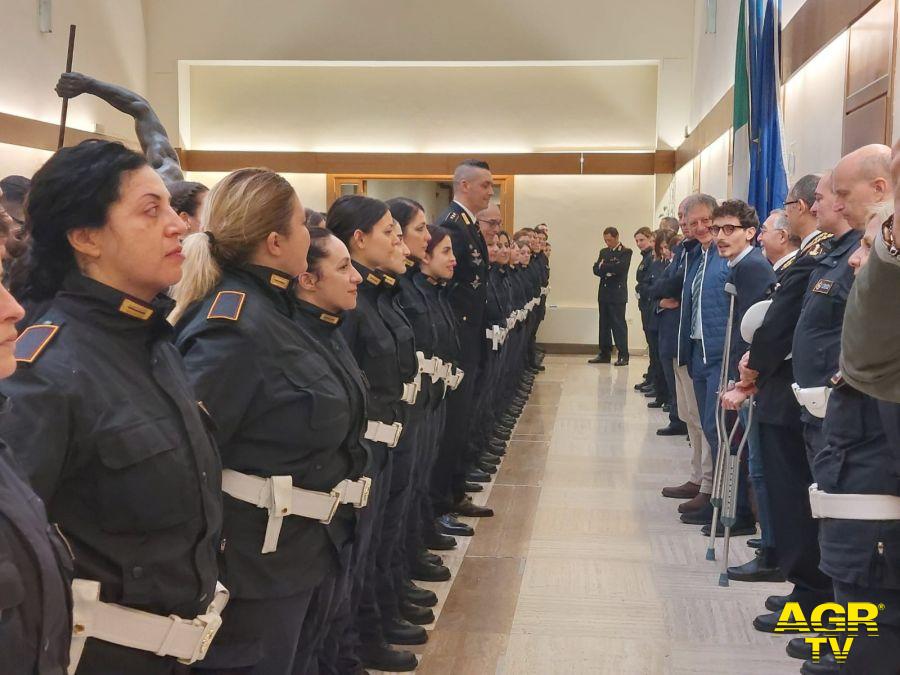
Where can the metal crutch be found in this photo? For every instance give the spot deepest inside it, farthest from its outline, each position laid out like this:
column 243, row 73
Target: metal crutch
column 729, row 509
column 722, row 437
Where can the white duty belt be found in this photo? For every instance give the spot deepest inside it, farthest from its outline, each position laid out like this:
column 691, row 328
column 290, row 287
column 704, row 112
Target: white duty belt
column 496, row 335
column 853, row 507
column 410, row 391
column 186, row 639
column 814, row 399
column 454, row 378
column 545, row 290
column 280, row 498
column 389, row 434
column 429, row 366
column 511, row 321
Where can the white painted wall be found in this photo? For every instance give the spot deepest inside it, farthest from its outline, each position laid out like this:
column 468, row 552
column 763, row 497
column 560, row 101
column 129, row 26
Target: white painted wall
column 427, row 192
column 310, row 187
column 814, row 111
column 714, row 167
column 577, row 209
column 713, row 57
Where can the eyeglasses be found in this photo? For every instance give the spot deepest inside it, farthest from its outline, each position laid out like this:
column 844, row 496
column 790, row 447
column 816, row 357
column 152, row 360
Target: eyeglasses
column 727, row 229
column 492, row 223
column 793, row 201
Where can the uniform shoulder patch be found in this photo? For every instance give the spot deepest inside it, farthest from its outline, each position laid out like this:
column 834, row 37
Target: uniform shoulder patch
column 227, row 305
column 33, row 341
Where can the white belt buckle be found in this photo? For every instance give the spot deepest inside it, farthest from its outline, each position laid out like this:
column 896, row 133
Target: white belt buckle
column 398, row 429
column 335, row 503
column 814, row 399
column 366, row 488
column 211, row 623
column 410, row 392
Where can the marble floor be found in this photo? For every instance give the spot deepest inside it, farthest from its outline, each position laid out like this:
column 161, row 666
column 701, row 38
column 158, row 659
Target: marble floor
column 586, row 568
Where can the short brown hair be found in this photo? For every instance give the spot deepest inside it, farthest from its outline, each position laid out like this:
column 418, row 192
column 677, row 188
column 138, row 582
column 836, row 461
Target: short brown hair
column 644, row 231
column 741, row 210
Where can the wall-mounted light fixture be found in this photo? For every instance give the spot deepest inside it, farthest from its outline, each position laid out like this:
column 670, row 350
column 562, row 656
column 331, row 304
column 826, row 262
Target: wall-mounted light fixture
column 45, row 15
column 712, row 7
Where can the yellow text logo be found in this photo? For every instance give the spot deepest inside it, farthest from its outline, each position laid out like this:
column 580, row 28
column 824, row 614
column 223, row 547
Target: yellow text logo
column 836, row 623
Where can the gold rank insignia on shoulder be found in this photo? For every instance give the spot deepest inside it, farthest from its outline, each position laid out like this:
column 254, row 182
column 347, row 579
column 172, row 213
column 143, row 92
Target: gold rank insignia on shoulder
column 373, row 279
column 227, row 305
column 814, row 250
column 135, row 309
column 408, row 262
column 329, row 318
column 823, row 286
column 466, row 219
column 389, row 280
column 279, row 281
column 33, row 340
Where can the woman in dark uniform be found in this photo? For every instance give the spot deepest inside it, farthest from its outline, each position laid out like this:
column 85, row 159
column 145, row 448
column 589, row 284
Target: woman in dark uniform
column 383, row 344
column 35, row 564
column 283, row 420
column 104, row 420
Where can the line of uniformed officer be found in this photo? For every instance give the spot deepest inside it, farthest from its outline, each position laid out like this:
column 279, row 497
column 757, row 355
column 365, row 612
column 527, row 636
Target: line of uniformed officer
column 289, row 451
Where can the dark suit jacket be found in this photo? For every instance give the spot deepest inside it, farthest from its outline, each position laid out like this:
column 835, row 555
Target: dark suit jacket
column 612, row 268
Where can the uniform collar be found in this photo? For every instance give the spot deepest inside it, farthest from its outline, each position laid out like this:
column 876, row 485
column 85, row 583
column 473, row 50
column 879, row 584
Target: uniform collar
column 276, row 279
column 808, row 238
column 841, row 244
column 784, row 259
column 371, row 280
column 116, row 309
column 467, row 212
column 326, row 319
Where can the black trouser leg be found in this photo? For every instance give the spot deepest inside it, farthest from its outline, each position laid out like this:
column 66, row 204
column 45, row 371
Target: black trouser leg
column 606, row 322
column 873, row 655
column 423, row 523
column 264, row 633
column 657, row 375
column 619, row 327
column 105, row 658
column 795, row 532
column 449, row 475
column 667, row 365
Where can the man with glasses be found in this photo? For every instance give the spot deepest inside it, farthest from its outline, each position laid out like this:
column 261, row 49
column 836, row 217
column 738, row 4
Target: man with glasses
column 779, row 245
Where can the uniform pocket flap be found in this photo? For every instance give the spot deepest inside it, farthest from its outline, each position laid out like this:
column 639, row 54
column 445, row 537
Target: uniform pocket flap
column 303, row 373
column 126, row 446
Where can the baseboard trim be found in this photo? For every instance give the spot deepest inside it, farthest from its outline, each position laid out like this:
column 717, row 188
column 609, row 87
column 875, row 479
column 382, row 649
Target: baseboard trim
column 568, row 348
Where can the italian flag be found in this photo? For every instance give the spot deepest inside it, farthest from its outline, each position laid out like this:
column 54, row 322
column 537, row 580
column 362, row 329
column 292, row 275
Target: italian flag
column 740, row 184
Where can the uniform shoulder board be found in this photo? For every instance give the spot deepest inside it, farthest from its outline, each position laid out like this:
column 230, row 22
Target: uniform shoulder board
column 453, row 215
column 227, row 305
column 33, row 341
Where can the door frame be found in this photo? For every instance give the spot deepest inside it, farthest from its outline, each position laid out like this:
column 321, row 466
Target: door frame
column 506, row 183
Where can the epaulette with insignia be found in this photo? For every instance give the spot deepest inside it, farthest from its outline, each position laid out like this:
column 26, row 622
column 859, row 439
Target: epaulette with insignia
column 33, row 340
column 227, row 305
column 466, row 219
column 453, row 215
column 816, row 246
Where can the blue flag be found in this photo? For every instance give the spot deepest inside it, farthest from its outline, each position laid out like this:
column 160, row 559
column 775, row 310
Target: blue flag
column 767, row 187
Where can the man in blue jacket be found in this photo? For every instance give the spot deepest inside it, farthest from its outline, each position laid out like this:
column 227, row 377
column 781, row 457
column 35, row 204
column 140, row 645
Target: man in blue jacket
column 704, row 317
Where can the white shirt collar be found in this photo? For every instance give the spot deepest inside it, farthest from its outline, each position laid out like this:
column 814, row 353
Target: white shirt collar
column 778, row 263
column 470, row 214
column 808, row 238
column 743, row 254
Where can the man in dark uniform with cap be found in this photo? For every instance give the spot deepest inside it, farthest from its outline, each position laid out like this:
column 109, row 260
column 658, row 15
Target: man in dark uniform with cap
column 612, row 295
column 473, row 187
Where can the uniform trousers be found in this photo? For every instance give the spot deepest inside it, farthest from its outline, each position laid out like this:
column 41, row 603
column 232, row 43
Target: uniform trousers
column 421, row 520
column 448, row 480
column 105, row 658
column 667, row 366
column 794, row 532
column 613, row 328
column 758, row 481
column 485, row 404
column 873, row 655
column 689, row 413
column 257, row 637
column 655, row 374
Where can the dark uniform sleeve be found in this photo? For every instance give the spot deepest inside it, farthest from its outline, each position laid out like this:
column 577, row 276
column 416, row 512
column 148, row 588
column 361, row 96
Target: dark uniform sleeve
column 222, row 366
column 597, row 265
column 619, row 265
column 39, row 424
column 774, row 339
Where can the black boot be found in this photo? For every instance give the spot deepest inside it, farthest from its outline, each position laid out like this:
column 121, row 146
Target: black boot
column 761, row 568
column 447, row 524
column 602, row 357
column 416, row 614
column 420, row 596
column 424, row 571
column 382, row 657
column 439, row 542
column 401, row 632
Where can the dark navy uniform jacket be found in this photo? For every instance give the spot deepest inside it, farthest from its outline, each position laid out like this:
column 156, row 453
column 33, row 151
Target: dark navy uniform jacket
column 279, row 409
column 773, row 340
column 411, row 301
column 642, row 277
column 817, row 338
column 468, row 290
column 108, row 429
column 613, row 274
column 404, row 336
column 35, row 578
column 446, row 345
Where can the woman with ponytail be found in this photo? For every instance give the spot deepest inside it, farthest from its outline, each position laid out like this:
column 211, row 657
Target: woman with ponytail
column 103, row 419
column 290, row 481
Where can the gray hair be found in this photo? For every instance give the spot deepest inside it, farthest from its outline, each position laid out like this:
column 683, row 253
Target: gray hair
column 781, row 221
column 805, row 189
column 699, row 199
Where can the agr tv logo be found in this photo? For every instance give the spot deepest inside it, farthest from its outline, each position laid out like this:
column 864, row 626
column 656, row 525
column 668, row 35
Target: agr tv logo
column 836, row 624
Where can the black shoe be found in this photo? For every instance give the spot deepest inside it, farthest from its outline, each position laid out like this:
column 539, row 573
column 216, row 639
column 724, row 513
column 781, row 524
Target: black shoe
column 650, row 393
column 502, row 435
column 416, row 614
column 488, row 458
column 503, row 428
column 508, row 421
column 420, row 596
column 539, row 368
column 423, row 571
column 776, row 603
column 645, row 387
column 667, row 407
column 698, row 517
column 400, row 632
column 640, row 385
column 487, row 468
column 431, row 558
column 754, row 542
column 739, row 529
column 673, row 430
column 447, row 524
column 478, row 476
column 497, row 448
column 516, row 410
column 621, row 361
column 766, row 623
column 826, row 666
column 382, row 657
column 439, row 542
column 761, row 568
column 468, row 508
column 601, row 358
column 474, row 487
column 655, row 404
column 519, row 402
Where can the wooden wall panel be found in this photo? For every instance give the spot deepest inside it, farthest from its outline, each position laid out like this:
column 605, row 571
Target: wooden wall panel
column 717, row 122
column 30, row 133
column 866, row 125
